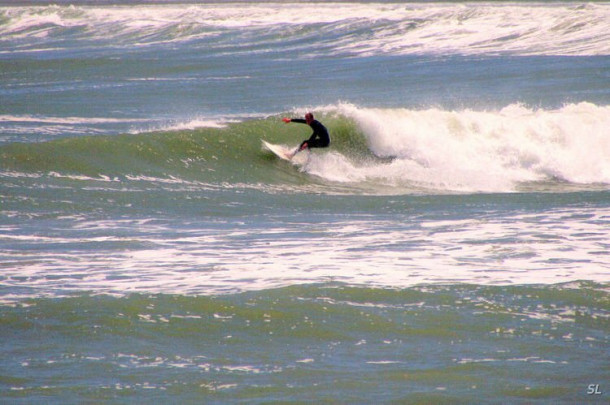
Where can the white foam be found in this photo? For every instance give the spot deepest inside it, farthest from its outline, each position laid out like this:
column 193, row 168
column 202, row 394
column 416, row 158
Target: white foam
column 565, row 245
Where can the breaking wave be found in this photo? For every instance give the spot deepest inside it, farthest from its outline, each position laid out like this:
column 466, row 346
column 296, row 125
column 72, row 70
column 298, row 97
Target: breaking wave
column 373, row 151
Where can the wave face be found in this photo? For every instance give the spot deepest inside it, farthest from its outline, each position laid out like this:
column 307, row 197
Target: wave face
column 319, row 30
column 374, row 151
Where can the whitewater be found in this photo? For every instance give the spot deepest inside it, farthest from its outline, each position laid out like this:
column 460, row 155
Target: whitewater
column 450, row 246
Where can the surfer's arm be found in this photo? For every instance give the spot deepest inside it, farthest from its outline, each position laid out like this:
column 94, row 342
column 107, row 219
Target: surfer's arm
column 302, row 121
column 297, row 120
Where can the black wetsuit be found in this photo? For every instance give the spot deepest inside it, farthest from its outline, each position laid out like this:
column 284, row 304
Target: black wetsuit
column 319, row 138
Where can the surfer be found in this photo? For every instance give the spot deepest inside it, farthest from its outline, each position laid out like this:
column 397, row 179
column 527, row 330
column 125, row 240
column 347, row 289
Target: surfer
column 319, row 138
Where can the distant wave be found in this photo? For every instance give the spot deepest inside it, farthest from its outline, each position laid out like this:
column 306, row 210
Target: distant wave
column 312, row 30
column 374, row 151
column 49, row 127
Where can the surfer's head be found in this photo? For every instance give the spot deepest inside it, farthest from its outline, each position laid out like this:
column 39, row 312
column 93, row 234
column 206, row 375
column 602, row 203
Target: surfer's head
column 309, row 118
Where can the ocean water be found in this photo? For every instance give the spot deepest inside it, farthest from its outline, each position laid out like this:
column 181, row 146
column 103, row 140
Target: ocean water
column 451, row 246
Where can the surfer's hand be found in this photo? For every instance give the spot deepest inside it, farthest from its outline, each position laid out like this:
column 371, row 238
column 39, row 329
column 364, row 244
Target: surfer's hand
column 305, row 145
column 286, row 120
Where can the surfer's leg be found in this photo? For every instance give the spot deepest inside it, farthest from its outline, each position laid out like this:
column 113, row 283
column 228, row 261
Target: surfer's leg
column 316, row 143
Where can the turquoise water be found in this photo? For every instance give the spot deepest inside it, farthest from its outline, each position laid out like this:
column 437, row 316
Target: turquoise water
column 451, row 246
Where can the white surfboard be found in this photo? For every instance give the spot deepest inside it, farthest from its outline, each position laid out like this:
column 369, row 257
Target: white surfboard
column 279, row 150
